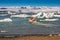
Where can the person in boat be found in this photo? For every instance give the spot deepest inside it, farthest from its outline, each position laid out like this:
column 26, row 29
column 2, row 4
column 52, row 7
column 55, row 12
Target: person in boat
column 31, row 19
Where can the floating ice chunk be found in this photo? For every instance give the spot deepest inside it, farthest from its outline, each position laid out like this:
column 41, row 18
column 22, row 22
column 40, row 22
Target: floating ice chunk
column 3, row 31
column 56, row 15
column 6, row 20
column 50, row 20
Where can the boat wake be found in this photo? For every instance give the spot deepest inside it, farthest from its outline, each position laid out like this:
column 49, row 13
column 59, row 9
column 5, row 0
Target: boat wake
column 44, row 24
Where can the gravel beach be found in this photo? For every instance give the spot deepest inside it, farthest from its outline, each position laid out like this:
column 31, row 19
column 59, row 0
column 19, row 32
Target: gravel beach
column 33, row 37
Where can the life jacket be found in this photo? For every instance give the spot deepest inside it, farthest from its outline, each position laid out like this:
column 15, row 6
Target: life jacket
column 31, row 19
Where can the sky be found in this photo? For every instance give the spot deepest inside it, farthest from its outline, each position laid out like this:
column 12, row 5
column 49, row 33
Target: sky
column 30, row 2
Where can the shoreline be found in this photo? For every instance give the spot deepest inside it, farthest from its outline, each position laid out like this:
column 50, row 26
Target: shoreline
column 33, row 37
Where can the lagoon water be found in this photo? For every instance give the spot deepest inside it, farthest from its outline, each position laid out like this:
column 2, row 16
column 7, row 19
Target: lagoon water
column 23, row 26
